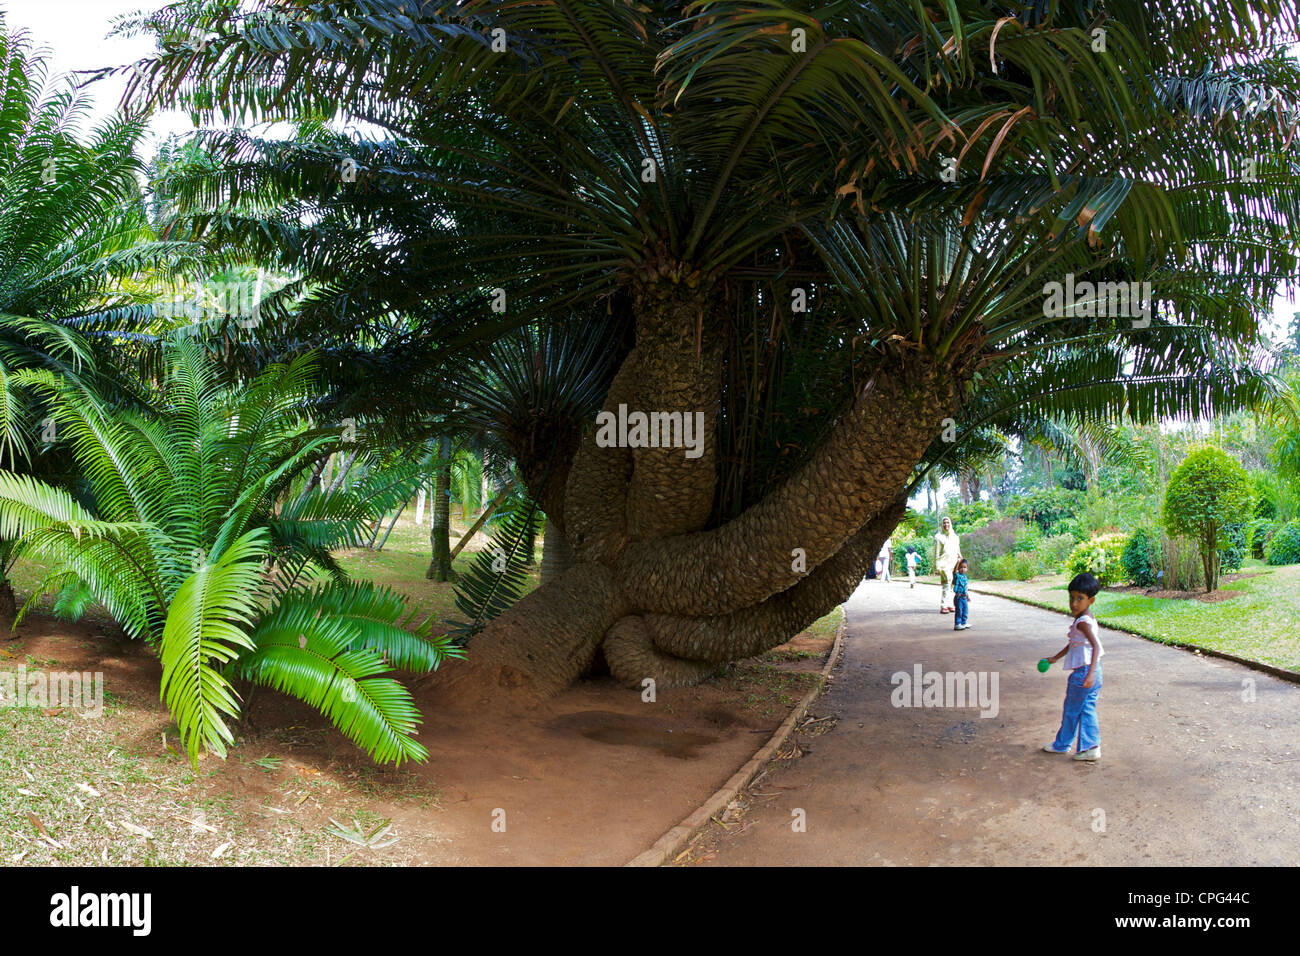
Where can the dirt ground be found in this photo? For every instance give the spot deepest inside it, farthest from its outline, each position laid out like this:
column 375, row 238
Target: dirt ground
column 1207, row 597
column 592, row 777
column 1200, row 757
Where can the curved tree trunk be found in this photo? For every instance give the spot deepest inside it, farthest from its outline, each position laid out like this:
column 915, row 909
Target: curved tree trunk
column 556, row 554
column 653, row 589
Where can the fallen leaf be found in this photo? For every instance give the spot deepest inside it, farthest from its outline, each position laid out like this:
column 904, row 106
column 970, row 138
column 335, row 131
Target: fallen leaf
column 87, row 788
column 196, row 823
column 216, row 854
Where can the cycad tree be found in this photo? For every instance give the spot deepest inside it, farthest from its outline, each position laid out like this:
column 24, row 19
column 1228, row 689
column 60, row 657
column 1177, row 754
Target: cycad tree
column 827, row 228
column 73, row 243
column 191, row 542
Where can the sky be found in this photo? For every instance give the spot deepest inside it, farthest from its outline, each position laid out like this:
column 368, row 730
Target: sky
column 74, row 33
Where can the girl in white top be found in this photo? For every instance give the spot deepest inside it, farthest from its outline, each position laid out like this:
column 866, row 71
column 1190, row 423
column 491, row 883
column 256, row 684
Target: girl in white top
column 947, row 551
column 1082, row 655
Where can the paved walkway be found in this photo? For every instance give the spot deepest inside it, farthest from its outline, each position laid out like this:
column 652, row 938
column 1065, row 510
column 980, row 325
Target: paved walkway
column 1191, row 773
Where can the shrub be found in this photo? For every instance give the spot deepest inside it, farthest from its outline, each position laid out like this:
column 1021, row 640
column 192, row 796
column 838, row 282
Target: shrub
column 196, row 549
column 1055, row 551
column 1017, row 566
column 1284, row 547
column 971, row 516
column 1047, row 507
column 1207, row 492
column 1071, row 527
column 1028, row 538
column 1102, row 556
column 924, row 550
column 1258, row 533
column 1181, row 566
column 1233, row 553
column 982, row 545
column 1142, row 557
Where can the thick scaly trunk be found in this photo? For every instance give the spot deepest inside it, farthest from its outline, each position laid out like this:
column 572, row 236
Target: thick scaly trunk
column 556, row 554
column 659, row 594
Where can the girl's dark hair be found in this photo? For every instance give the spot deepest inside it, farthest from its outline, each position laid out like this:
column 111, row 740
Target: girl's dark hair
column 961, row 561
column 1085, row 583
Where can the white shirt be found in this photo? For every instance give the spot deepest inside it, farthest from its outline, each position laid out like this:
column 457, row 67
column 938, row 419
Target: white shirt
column 1080, row 652
column 912, row 559
column 949, row 546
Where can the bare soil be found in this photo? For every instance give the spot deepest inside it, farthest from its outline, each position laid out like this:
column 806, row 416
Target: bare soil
column 593, row 776
column 1206, row 597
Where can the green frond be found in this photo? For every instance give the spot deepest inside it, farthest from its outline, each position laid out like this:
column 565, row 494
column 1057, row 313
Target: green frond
column 319, row 658
column 207, row 627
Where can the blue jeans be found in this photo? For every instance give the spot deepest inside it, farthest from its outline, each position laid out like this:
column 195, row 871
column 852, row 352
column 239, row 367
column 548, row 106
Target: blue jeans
column 1079, row 717
column 963, row 608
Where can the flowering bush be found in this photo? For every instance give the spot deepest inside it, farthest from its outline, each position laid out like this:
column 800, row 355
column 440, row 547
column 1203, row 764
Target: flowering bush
column 1102, row 556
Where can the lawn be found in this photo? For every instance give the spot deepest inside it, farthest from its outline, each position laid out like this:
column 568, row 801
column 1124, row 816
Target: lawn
column 1262, row 625
column 401, row 565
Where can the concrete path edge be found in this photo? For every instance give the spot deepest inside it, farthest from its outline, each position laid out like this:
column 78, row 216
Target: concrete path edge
column 1282, row 672
column 668, row 846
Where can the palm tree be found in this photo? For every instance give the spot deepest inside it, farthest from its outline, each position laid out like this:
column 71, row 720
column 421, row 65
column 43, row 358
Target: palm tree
column 191, row 541
column 75, row 246
column 828, row 230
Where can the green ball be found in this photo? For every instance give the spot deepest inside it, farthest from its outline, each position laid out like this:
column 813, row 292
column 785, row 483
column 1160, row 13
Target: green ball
column 1043, row 665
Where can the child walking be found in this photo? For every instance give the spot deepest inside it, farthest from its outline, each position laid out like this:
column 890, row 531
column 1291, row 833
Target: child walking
column 1083, row 660
column 912, row 561
column 961, row 595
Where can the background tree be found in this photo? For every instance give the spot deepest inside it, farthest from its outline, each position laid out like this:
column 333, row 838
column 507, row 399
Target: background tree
column 1207, row 492
column 758, row 196
column 74, row 244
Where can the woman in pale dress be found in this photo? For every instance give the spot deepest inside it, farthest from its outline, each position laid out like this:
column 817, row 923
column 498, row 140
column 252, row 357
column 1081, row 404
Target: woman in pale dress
column 947, row 552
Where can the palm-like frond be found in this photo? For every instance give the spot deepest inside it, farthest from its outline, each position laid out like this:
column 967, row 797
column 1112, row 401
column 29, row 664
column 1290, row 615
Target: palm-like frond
column 207, row 627
column 497, row 578
column 181, row 529
column 334, row 662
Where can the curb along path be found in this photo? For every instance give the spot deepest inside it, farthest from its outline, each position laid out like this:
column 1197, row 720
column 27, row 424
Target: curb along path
column 668, row 846
column 1200, row 766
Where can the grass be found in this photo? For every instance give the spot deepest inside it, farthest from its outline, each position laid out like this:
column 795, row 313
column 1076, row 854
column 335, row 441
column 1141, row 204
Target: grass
column 405, row 559
column 81, row 791
column 114, row 791
column 89, row 782
column 1263, row 625
column 769, row 689
column 401, row 565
